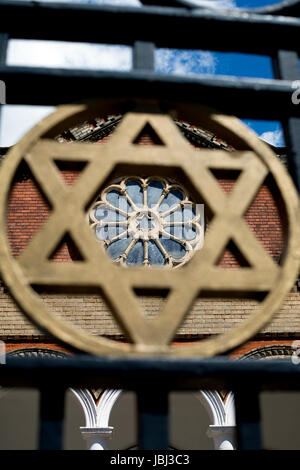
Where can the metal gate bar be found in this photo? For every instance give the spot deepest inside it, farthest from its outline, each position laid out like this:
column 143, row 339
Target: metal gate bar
column 166, row 27
column 52, row 400
column 153, row 429
column 248, row 422
column 245, row 378
column 145, row 29
column 286, row 67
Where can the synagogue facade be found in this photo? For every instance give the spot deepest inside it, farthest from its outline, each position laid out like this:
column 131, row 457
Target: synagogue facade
column 147, row 220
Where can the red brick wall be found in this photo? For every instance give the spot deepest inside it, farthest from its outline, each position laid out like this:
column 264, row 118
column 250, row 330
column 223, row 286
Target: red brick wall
column 264, row 220
column 28, row 210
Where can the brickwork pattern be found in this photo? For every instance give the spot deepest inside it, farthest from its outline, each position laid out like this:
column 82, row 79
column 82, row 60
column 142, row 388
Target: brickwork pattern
column 90, row 312
column 28, row 210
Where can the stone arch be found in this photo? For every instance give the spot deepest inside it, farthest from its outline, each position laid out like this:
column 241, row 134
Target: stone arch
column 213, row 403
column 105, row 406
column 229, row 410
column 222, row 417
column 269, row 352
column 88, row 406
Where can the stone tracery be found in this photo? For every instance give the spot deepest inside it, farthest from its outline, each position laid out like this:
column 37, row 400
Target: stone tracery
column 149, row 221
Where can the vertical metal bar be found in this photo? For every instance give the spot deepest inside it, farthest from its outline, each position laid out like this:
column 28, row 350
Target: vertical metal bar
column 291, row 128
column 152, row 420
column 3, row 47
column 143, row 55
column 247, row 412
column 3, row 54
column 286, row 67
column 51, row 418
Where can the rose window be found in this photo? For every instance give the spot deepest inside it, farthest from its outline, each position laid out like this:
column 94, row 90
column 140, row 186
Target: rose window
column 147, row 221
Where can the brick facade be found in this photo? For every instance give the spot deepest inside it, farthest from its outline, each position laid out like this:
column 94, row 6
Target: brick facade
column 28, row 210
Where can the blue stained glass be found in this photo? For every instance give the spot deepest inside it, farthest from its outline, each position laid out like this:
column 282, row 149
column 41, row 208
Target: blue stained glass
column 176, row 216
column 189, row 233
column 154, row 192
column 135, row 192
column 116, row 199
column 155, row 256
column 189, row 213
column 181, row 231
column 172, row 199
column 108, row 232
column 182, row 214
column 117, row 248
column 175, row 249
column 108, row 215
column 136, row 254
column 175, row 230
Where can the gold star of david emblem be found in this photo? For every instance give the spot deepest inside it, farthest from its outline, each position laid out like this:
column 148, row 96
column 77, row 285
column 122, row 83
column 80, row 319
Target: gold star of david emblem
column 118, row 284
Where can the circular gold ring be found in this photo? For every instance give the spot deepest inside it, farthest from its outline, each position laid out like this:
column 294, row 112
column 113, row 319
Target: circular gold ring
column 254, row 159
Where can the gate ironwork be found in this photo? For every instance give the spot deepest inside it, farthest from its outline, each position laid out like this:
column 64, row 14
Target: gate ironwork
column 145, row 29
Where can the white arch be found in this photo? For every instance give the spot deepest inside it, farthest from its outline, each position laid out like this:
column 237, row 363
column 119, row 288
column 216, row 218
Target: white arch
column 214, row 406
column 230, row 410
column 88, row 406
column 222, row 417
column 105, row 406
column 96, row 416
column 97, row 429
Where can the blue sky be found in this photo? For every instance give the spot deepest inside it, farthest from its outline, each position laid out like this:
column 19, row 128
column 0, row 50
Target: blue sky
column 93, row 56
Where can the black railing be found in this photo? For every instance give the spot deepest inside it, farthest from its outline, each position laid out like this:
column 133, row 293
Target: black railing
column 157, row 26
column 246, row 379
column 172, row 24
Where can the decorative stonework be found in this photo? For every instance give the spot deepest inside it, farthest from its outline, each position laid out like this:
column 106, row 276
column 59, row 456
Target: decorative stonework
column 269, row 352
column 97, row 129
column 38, row 352
column 149, row 221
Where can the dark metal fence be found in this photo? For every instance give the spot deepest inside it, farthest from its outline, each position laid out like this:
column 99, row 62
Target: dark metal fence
column 152, row 380
column 172, row 24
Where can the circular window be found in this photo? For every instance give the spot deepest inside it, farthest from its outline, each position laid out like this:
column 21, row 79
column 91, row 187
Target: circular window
column 147, row 221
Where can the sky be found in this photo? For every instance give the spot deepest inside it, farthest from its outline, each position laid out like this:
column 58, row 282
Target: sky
column 17, row 120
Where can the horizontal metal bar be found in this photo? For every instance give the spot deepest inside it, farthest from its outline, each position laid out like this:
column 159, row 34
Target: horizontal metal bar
column 250, row 98
column 199, row 29
column 243, row 97
column 143, row 373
